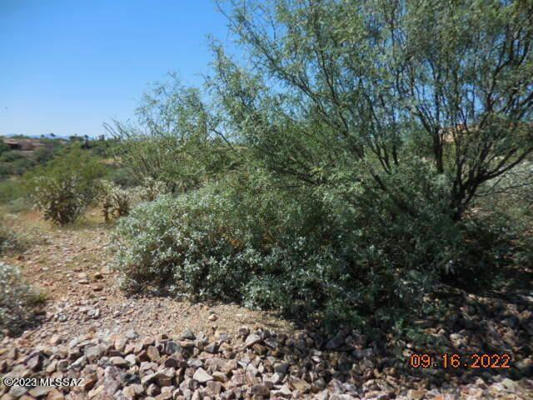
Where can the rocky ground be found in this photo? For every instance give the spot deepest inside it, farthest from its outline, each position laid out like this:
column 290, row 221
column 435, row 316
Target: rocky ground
column 136, row 348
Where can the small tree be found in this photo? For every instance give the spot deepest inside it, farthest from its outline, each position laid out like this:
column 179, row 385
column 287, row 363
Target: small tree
column 340, row 88
column 176, row 141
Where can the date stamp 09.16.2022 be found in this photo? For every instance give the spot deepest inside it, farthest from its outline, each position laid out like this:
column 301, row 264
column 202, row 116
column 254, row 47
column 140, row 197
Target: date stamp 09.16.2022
column 457, row 361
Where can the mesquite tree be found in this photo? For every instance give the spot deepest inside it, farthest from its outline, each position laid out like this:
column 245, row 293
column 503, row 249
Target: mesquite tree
column 360, row 88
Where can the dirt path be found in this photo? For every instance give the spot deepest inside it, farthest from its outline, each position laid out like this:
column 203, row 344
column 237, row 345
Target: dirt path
column 73, row 267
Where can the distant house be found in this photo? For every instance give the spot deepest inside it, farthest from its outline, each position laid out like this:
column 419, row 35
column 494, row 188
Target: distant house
column 13, row 144
column 23, row 144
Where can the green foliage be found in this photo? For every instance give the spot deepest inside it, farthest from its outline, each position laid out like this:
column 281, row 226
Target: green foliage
column 9, row 240
column 362, row 87
column 14, row 163
column 197, row 239
column 256, row 240
column 152, row 189
column 122, row 177
column 11, row 190
column 65, row 186
column 44, row 154
column 334, row 176
column 17, row 300
column 175, row 141
column 3, row 147
column 506, row 209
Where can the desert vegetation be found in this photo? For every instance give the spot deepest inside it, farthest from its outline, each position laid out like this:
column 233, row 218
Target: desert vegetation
column 346, row 176
column 361, row 165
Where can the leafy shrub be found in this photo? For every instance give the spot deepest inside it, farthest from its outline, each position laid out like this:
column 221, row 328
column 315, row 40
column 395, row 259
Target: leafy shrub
column 176, row 140
column 11, row 190
column 9, row 240
column 17, row 300
column 302, row 251
column 44, row 154
column 265, row 248
column 168, row 239
column 11, row 156
column 203, row 245
column 122, row 177
column 3, row 147
column 65, row 186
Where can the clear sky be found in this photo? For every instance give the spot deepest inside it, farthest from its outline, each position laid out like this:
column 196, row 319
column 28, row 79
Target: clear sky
column 68, row 66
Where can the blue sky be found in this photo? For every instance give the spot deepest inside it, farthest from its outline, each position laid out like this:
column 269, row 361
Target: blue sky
column 69, row 66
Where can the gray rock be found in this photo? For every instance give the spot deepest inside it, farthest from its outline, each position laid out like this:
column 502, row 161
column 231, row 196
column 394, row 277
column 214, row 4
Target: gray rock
column 202, row 376
column 214, row 388
column 335, row 342
column 171, row 347
column 147, row 379
column 153, row 390
column 120, row 343
column 132, row 334
column 39, row 391
column 187, row 335
column 94, row 352
column 260, row 390
column 165, row 377
column 153, row 353
column 131, row 359
column 89, row 381
column 284, row 391
column 17, row 391
column 55, row 394
column 281, row 368
column 244, row 331
column 62, row 365
column 211, row 348
column 119, row 362
column 79, row 363
column 35, row 362
column 300, row 385
column 252, row 339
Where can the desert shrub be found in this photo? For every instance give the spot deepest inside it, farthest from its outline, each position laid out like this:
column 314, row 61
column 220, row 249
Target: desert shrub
column 505, row 207
column 11, row 190
column 122, row 177
column 44, row 154
column 11, row 156
column 65, row 186
column 375, row 150
column 174, row 243
column 199, row 239
column 14, row 163
column 248, row 240
column 17, row 300
column 151, row 189
column 309, row 252
column 3, row 147
column 115, row 201
column 176, row 141
column 9, row 240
